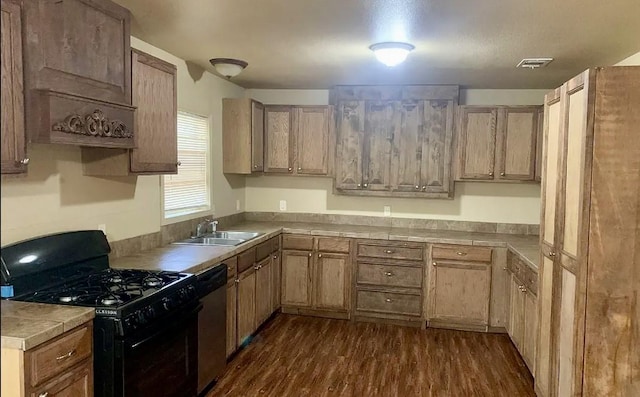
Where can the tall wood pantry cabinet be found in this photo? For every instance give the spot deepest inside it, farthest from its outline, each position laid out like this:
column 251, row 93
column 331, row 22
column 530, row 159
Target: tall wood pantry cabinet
column 589, row 339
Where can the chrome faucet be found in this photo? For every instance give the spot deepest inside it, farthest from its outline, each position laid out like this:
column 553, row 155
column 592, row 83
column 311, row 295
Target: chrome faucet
column 201, row 228
column 214, row 226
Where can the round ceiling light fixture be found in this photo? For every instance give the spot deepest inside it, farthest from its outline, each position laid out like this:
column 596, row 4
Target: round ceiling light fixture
column 228, row 67
column 391, row 53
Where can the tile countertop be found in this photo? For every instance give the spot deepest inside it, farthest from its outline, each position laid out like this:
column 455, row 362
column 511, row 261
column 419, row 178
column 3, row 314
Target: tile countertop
column 196, row 258
column 27, row 324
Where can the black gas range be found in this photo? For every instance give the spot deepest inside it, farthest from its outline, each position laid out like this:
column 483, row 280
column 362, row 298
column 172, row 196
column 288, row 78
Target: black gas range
column 145, row 329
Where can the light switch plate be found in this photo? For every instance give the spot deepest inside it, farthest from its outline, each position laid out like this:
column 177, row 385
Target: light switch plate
column 387, row 210
column 283, row 205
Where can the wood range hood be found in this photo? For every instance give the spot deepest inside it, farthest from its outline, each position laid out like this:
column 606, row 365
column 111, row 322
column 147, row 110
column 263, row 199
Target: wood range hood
column 77, row 73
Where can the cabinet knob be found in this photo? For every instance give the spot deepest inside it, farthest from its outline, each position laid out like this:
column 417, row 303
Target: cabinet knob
column 434, row 264
column 179, row 163
column 365, row 185
column 275, row 257
column 319, row 255
column 461, row 253
column 45, row 394
column 237, row 281
column 502, row 174
column 309, row 254
column 256, row 267
column 299, row 168
column 424, row 187
column 552, row 254
column 505, row 269
column 388, row 300
column 388, row 252
column 255, row 166
column 359, row 185
column 417, row 187
column 24, row 161
column 490, row 173
column 290, row 169
column 388, row 274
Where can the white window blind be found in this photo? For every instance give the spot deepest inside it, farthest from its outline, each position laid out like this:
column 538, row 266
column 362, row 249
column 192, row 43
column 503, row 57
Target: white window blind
column 188, row 191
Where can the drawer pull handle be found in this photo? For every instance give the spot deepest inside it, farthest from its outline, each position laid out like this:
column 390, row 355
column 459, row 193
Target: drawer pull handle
column 65, row 356
column 388, row 274
column 552, row 254
column 523, row 289
column 388, row 300
column 237, row 281
column 319, row 255
column 256, row 267
column 388, row 252
column 461, row 253
column 434, row 264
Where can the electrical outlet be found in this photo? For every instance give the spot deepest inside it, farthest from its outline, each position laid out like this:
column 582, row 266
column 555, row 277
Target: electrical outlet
column 237, row 205
column 283, row 205
column 103, row 227
column 387, row 210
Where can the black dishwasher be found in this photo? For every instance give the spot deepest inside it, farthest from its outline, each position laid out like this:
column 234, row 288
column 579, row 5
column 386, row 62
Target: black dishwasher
column 212, row 325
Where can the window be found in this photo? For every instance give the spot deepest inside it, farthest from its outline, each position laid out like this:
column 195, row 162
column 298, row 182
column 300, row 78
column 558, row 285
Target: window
column 188, row 191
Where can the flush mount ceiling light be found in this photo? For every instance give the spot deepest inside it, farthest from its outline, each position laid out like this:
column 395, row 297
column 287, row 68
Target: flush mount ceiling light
column 391, row 53
column 228, row 67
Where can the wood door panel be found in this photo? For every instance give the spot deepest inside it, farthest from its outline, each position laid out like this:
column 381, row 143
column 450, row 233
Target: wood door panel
column 257, row 137
column 276, row 283
column 13, row 140
column 478, row 142
column 332, row 281
column 574, row 173
column 246, row 305
column 407, row 148
column 382, row 123
column 460, row 292
column 296, row 278
column 389, row 302
column 392, row 276
column 350, row 145
column 516, row 314
column 462, row 253
column 544, row 337
column 232, row 296
column 77, row 382
column 518, row 151
column 279, row 140
column 552, row 148
column 566, row 334
column 436, row 165
column 312, row 136
column 530, row 335
column 264, row 299
column 154, row 93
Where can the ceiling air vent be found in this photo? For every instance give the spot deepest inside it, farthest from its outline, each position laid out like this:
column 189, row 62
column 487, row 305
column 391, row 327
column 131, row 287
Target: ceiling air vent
column 534, row 63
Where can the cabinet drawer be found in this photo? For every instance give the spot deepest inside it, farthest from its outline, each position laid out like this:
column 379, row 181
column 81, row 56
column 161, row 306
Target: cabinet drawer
column 54, row 357
column 462, row 253
column 389, row 302
column 329, row 244
column 246, row 259
column 516, row 266
column 275, row 243
column 389, row 275
column 232, row 267
column 263, row 250
column 390, row 252
column 531, row 280
column 297, row 242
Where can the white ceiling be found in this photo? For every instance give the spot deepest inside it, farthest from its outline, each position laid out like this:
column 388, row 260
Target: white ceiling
column 321, row 43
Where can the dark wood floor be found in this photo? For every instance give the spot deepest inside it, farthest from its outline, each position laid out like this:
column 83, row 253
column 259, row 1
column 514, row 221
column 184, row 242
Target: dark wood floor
column 306, row 356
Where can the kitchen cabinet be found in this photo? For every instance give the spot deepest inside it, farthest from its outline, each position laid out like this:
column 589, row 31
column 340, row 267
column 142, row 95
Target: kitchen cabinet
column 523, row 310
column 389, row 281
column 246, row 321
column 62, row 366
column 154, row 94
column 460, row 286
column 264, row 298
column 78, row 73
column 396, row 144
column 13, row 148
column 276, row 273
column 298, row 139
column 589, row 234
column 498, row 143
column 242, row 136
column 316, row 275
column 232, row 314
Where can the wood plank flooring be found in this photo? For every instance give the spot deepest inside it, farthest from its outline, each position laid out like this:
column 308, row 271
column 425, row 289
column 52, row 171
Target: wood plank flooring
column 307, row 356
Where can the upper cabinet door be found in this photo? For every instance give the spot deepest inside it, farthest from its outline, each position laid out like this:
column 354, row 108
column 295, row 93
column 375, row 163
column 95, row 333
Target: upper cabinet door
column 350, row 145
column 79, row 47
column 154, row 95
column 477, row 142
column 13, row 145
column 408, row 147
column 382, row 123
column 312, row 134
column 279, row 139
column 257, row 137
column 554, row 120
column 516, row 154
column 437, row 147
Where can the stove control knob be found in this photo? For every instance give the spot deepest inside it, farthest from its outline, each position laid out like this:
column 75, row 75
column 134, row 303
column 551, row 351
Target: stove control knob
column 150, row 313
column 141, row 318
column 168, row 304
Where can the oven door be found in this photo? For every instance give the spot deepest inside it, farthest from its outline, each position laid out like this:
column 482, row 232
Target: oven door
column 163, row 362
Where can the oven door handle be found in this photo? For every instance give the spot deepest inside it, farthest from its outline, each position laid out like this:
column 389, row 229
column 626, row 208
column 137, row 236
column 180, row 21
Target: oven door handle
column 175, row 322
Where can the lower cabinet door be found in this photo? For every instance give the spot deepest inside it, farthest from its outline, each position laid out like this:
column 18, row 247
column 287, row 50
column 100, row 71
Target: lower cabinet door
column 530, row 342
column 276, row 274
column 246, row 305
column 296, row 278
column 77, row 382
column 460, row 292
column 516, row 313
column 232, row 331
column 331, row 281
column 263, row 291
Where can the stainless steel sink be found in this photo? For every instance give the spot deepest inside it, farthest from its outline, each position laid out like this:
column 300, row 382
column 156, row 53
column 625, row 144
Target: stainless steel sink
column 221, row 238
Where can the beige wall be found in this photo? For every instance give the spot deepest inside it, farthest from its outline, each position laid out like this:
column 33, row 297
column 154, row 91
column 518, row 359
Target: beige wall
column 55, row 196
column 517, row 203
column 633, row 60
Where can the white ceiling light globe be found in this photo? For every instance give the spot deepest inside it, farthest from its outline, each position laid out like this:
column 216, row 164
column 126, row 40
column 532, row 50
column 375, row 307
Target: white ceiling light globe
column 390, row 53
